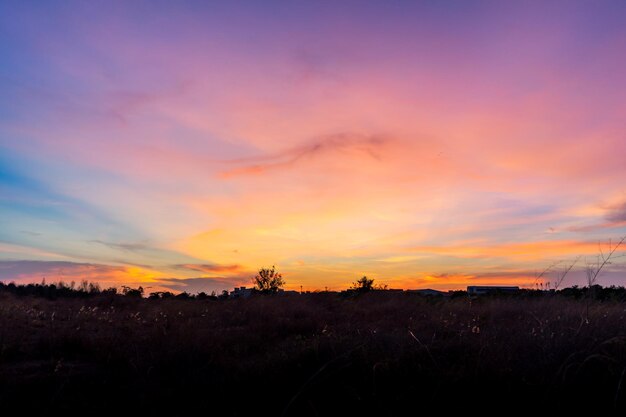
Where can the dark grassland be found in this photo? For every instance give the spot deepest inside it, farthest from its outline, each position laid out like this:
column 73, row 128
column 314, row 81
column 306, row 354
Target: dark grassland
column 379, row 353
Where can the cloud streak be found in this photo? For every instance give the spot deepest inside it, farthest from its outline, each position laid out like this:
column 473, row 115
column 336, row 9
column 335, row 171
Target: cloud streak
column 210, row 268
column 131, row 247
column 52, row 271
column 617, row 214
column 343, row 144
column 524, row 250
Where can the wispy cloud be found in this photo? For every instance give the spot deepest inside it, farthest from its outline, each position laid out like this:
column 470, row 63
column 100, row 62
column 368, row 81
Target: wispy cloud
column 608, row 216
column 523, row 250
column 617, row 213
column 23, row 271
column 29, row 233
column 131, row 247
column 29, row 270
column 342, row 143
column 209, row 268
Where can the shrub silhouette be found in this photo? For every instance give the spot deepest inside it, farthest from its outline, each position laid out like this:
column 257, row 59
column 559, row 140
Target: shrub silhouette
column 268, row 281
column 132, row 292
column 363, row 284
column 160, row 294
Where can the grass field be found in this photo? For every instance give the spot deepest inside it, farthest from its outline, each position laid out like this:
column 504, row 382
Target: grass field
column 379, row 353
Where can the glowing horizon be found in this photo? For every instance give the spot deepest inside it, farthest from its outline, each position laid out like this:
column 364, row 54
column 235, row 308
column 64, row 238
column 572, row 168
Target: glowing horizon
column 424, row 144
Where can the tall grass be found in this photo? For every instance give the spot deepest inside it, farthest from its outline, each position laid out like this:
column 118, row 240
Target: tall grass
column 379, row 353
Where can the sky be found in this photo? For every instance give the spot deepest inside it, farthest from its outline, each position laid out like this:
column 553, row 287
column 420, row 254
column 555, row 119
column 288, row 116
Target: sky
column 184, row 145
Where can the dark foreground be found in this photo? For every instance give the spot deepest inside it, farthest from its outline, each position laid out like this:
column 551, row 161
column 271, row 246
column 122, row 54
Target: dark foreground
column 318, row 354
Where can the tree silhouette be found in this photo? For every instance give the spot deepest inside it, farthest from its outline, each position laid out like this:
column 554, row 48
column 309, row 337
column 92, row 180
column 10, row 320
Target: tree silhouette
column 363, row 284
column 268, row 281
column 132, row 292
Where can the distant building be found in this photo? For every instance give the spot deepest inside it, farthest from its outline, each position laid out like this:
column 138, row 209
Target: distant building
column 490, row 289
column 241, row 292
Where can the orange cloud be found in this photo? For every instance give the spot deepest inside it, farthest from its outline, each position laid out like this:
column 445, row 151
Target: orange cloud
column 210, row 268
column 53, row 271
column 525, row 250
column 460, row 281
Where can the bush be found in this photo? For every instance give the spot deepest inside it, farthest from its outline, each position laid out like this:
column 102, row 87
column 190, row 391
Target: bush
column 268, row 281
column 363, row 284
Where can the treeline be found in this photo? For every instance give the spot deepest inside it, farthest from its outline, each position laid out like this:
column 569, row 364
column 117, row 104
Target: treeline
column 57, row 290
column 596, row 292
column 87, row 289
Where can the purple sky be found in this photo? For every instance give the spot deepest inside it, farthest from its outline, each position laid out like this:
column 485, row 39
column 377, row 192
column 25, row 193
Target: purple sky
column 424, row 144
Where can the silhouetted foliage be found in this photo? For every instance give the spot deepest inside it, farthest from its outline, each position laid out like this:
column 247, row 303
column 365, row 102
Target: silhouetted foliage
column 161, row 295
column 268, row 281
column 132, row 292
column 313, row 354
column 204, row 296
column 58, row 290
column 363, row 284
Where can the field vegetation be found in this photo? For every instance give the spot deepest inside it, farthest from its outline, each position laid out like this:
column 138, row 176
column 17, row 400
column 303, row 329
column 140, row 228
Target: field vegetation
column 91, row 352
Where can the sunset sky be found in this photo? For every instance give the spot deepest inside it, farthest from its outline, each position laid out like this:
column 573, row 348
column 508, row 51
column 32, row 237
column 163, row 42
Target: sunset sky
column 436, row 144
